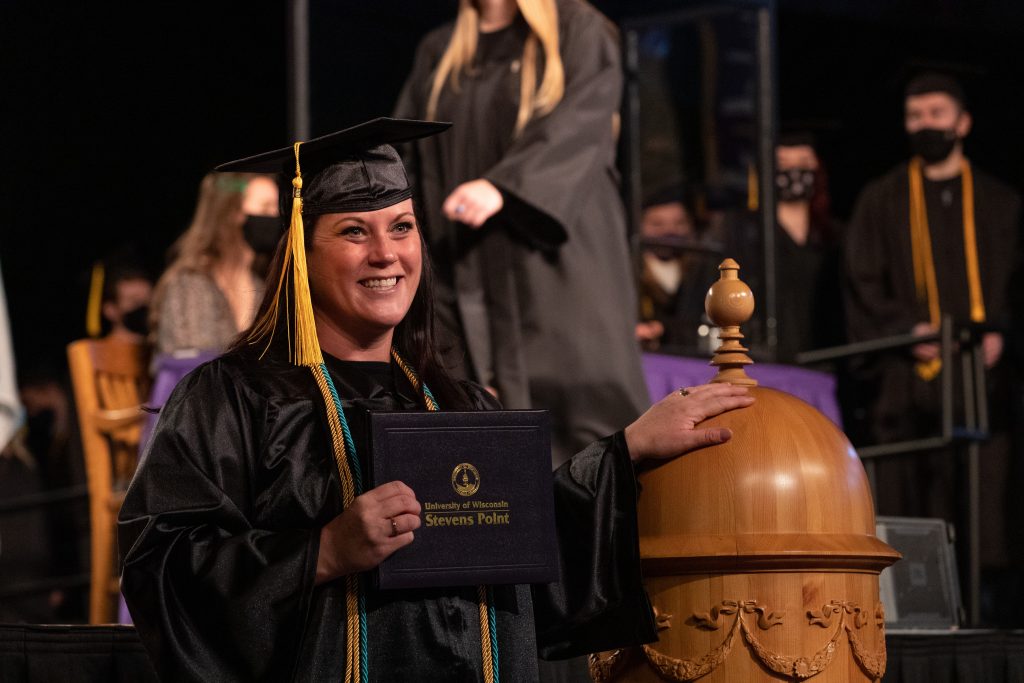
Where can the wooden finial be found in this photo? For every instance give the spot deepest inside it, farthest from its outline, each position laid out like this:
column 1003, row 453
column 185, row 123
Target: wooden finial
column 730, row 303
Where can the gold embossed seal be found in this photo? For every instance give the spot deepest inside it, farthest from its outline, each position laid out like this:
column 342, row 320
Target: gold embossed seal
column 465, row 479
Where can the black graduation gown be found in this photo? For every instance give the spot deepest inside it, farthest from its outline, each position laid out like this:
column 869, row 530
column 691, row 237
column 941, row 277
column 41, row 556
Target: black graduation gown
column 543, row 294
column 220, row 535
column 808, row 311
column 880, row 299
column 880, row 295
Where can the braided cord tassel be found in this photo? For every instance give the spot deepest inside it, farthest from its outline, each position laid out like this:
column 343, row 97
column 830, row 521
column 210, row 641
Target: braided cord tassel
column 971, row 245
column 414, row 380
column 356, row 661
column 487, row 651
column 488, row 620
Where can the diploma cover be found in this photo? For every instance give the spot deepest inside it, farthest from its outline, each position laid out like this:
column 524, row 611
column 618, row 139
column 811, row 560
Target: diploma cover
column 484, row 481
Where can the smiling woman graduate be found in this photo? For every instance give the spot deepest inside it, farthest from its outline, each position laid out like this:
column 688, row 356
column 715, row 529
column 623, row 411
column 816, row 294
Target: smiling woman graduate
column 247, row 528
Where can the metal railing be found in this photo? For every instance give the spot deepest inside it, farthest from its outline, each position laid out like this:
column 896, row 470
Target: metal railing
column 956, row 340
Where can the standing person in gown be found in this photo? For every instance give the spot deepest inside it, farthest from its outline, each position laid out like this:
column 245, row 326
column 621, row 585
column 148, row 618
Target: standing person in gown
column 246, row 529
column 934, row 236
column 809, row 302
column 522, row 208
column 209, row 291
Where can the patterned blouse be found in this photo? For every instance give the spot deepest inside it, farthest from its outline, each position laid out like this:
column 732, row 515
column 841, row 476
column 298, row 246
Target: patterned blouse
column 196, row 316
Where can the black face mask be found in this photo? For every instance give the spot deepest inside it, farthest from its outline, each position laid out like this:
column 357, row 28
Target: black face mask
column 262, row 233
column 137, row 320
column 795, row 184
column 933, row 144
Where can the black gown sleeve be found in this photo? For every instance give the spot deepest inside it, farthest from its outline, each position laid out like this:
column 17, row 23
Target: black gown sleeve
column 600, row 603
column 412, row 102
column 998, row 248
column 872, row 305
column 214, row 597
column 547, row 173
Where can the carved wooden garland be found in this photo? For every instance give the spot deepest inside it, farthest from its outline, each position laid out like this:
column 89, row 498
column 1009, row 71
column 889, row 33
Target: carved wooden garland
column 603, row 667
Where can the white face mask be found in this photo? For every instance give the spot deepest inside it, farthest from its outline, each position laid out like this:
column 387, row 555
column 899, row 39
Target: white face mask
column 668, row 274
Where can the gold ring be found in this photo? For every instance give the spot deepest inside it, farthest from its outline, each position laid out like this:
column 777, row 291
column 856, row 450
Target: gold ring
column 394, row 527
column 682, row 391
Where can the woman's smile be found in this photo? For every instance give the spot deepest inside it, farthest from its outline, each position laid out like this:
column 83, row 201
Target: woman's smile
column 383, row 285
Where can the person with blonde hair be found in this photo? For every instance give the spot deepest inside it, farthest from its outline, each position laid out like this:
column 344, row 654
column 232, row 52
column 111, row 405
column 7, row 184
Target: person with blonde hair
column 523, row 212
column 209, row 292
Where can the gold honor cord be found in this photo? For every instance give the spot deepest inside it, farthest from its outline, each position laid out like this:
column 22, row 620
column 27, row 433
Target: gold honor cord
column 488, row 650
column 925, row 281
column 348, row 494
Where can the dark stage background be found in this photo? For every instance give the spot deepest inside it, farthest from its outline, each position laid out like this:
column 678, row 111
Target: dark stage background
column 112, row 114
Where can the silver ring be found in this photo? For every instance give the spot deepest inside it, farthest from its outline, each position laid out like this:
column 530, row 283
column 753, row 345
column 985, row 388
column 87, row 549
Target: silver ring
column 394, row 526
column 460, row 209
column 683, row 391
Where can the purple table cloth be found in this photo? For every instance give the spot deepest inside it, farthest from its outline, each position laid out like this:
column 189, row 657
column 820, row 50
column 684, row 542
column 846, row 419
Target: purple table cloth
column 665, row 374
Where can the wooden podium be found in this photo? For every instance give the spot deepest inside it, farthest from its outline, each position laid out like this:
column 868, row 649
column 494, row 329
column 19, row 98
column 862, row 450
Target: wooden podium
column 759, row 554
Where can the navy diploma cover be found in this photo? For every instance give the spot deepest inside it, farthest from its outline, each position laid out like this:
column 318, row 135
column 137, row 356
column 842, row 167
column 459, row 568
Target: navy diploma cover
column 484, row 481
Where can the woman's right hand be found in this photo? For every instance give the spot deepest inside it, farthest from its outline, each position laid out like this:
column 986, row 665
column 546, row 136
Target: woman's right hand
column 363, row 536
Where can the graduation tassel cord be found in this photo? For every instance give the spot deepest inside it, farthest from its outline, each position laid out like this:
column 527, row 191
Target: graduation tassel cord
column 485, row 597
column 924, row 261
column 414, row 380
column 356, row 660
column 93, row 324
column 971, row 246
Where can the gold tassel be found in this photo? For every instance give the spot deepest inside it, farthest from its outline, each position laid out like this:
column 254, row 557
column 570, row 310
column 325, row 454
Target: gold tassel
column 92, row 310
column 304, row 348
column 307, row 346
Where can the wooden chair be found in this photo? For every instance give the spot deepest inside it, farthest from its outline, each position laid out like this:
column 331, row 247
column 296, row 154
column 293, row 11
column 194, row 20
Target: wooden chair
column 111, row 381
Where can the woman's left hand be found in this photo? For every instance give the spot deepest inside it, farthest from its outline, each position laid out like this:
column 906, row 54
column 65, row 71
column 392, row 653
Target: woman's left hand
column 473, row 203
column 668, row 428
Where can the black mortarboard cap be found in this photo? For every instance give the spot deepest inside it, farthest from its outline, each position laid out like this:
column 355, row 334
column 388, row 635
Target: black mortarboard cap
column 934, row 81
column 666, row 194
column 355, row 169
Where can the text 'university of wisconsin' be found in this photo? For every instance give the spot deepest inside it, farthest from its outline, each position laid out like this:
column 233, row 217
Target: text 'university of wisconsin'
column 468, row 513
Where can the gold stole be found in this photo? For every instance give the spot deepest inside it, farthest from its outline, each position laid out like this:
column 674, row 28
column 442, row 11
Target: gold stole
column 924, row 261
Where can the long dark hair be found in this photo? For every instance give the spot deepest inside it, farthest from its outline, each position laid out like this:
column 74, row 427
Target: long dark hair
column 416, row 338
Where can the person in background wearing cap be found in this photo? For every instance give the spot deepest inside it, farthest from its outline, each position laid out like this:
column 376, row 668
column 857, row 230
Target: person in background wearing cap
column 124, row 303
column 209, row 291
column 246, row 529
column 809, row 302
column 523, row 210
column 676, row 273
column 934, row 236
